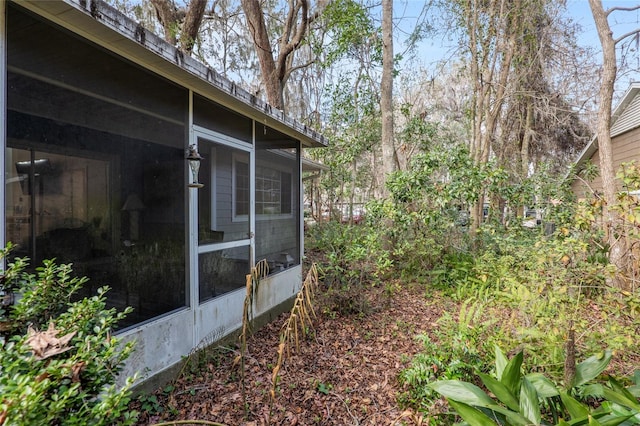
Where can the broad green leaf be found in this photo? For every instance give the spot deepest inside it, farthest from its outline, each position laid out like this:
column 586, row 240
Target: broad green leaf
column 609, row 414
column 515, row 418
column 575, row 408
column 582, row 421
column 462, row 392
column 613, row 420
column 529, row 406
column 634, row 390
column 501, row 361
column 472, row 416
column 590, row 368
column 500, row 391
column 511, row 375
column 621, row 399
column 593, row 421
column 595, row 390
column 544, row 387
column 617, row 390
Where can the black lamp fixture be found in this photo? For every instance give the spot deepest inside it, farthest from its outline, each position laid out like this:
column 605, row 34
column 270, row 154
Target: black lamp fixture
column 194, row 158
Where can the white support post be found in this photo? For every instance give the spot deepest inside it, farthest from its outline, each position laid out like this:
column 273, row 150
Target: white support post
column 3, row 113
column 252, row 198
column 192, row 240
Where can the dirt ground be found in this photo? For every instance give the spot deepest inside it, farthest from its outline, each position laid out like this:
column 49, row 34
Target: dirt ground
column 344, row 374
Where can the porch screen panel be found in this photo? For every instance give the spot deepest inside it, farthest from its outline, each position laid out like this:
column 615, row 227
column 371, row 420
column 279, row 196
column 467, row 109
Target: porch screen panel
column 222, row 120
column 222, row 271
column 223, row 219
column 95, row 167
column 277, row 186
column 224, row 172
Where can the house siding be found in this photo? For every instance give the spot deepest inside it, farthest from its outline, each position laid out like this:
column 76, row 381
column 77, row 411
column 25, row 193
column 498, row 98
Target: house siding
column 626, row 148
column 630, row 118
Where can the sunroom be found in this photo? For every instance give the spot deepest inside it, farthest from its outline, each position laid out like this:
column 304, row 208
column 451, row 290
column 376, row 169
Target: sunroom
column 101, row 121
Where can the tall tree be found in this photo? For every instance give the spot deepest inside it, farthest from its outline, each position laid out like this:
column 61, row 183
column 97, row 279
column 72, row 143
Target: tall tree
column 616, row 242
column 389, row 158
column 276, row 64
column 181, row 24
column 511, row 48
column 538, row 123
column 490, row 42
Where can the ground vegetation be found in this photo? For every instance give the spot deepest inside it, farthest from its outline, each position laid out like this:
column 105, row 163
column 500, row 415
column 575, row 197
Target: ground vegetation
column 394, row 321
column 59, row 362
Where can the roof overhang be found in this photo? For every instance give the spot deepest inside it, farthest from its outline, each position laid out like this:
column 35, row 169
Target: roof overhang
column 592, row 146
column 312, row 166
column 109, row 28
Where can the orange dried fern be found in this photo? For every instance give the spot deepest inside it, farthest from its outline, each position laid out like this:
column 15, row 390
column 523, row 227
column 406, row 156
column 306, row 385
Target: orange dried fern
column 299, row 324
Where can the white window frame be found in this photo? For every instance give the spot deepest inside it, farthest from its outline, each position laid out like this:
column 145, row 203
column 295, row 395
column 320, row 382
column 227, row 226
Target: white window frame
column 263, row 216
column 213, row 136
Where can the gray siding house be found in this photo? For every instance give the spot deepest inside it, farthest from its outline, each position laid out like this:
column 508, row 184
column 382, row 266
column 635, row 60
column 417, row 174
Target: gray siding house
column 98, row 119
column 625, row 139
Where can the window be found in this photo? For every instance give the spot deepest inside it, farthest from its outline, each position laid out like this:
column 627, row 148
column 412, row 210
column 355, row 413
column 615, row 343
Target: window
column 241, row 195
column 277, row 225
column 273, row 190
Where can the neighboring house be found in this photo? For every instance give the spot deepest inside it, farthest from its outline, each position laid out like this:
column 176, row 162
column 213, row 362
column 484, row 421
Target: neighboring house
column 625, row 139
column 96, row 126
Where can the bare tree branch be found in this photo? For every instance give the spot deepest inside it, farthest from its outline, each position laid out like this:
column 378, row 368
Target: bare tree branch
column 627, row 35
column 622, row 9
column 293, row 69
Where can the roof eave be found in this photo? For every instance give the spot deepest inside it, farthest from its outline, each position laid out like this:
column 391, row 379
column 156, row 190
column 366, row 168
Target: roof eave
column 592, row 146
column 105, row 26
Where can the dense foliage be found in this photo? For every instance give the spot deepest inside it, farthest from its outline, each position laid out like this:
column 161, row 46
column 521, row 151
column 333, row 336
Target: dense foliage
column 59, row 361
column 533, row 399
column 523, row 288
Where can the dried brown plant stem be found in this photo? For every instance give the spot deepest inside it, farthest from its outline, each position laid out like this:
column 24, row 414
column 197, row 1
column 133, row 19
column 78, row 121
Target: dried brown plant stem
column 299, row 323
column 258, row 272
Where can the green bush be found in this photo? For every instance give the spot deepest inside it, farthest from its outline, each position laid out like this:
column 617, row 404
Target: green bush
column 59, row 361
column 521, row 399
column 547, row 286
column 457, row 351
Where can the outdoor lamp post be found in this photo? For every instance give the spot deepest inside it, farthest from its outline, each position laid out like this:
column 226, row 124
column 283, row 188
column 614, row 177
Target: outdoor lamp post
column 194, row 158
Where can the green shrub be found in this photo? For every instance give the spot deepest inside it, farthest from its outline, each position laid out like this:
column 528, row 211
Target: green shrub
column 59, row 360
column 349, row 257
column 532, row 399
column 456, row 351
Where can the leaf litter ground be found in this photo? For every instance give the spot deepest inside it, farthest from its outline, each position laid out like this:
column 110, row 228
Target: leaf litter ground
column 345, row 372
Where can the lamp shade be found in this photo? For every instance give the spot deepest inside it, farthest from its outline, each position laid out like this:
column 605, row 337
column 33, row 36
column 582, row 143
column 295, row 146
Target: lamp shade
column 133, row 203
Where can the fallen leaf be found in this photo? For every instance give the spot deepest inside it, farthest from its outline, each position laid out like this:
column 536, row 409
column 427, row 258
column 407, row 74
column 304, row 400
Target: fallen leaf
column 45, row 344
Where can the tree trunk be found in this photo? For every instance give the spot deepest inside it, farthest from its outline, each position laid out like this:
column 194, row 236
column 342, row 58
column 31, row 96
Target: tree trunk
column 191, row 25
column 258, row 31
column 180, row 24
column 524, row 150
column 167, row 14
column 276, row 70
column 605, row 151
column 389, row 159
